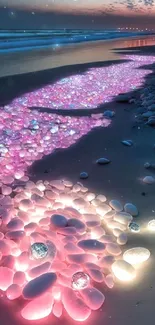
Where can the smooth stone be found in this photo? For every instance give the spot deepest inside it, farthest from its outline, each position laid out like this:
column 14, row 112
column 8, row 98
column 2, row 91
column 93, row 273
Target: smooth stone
column 68, row 184
column 103, row 161
column 57, row 184
column 96, row 275
column 78, row 224
column 147, row 114
column 116, row 205
column 15, row 224
column 109, row 281
column 147, row 165
column 109, row 113
column 123, row 217
column 58, row 221
column 149, row 180
column 89, row 197
column 113, row 249
column 81, row 258
column 122, row 239
column 131, row 209
column 102, row 209
column 13, row 292
column 117, row 232
column 84, row 175
column 136, row 255
column 101, row 198
column 39, row 270
column 39, row 285
column 6, row 278
column 91, row 245
column 151, row 121
column 79, row 203
column 38, row 308
column 127, row 143
column 93, row 298
column 134, row 227
column 106, row 261
column 75, row 306
column 123, row 270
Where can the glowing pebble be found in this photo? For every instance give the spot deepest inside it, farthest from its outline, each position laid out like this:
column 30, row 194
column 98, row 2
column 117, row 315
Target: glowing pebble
column 71, row 248
column 101, row 198
column 81, row 258
column 40, row 269
column 123, row 217
column 151, row 225
column 80, row 280
column 58, row 184
column 149, row 180
column 89, row 197
column 15, row 224
column 68, row 183
column 4, row 247
column 103, row 209
column 15, row 235
column 106, row 261
column 107, row 239
column 116, row 205
column 9, row 261
column 79, row 203
column 6, row 190
column 67, row 231
column 78, row 224
column 97, row 232
column 13, row 292
column 6, row 277
column 65, row 199
column 19, row 174
column 96, row 275
column 57, row 309
column 58, row 221
column 109, row 281
column 91, row 245
column 38, row 308
column 136, row 255
column 25, row 205
column 39, row 285
column 113, row 249
column 75, row 306
column 93, row 298
column 7, row 179
column 19, row 278
column 123, row 270
column 122, row 239
column 39, row 250
column 131, row 209
column 117, row 232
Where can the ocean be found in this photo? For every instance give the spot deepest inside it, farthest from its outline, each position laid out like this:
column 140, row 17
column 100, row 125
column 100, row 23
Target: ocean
column 26, row 40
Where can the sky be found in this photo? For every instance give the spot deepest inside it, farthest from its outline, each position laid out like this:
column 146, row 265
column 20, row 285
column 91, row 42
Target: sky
column 76, row 13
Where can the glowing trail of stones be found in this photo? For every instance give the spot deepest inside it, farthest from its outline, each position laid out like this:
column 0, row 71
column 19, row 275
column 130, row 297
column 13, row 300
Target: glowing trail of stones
column 56, row 245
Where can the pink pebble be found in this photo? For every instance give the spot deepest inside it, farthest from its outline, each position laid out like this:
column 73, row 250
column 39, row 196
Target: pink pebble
column 15, row 235
column 38, row 308
column 96, row 275
column 57, row 309
column 9, row 261
column 19, row 278
column 113, row 249
column 30, row 227
column 13, row 292
column 91, row 245
column 39, row 285
column 15, row 224
column 106, row 261
column 6, row 278
column 109, row 281
column 4, row 247
column 93, row 298
column 78, row 224
column 81, row 258
column 6, row 190
column 38, row 270
column 7, row 180
column 75, row 306
column 71, row 248
column 67, row 231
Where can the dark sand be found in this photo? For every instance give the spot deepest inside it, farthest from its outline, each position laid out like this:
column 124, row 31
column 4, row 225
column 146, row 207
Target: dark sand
column 125, row 304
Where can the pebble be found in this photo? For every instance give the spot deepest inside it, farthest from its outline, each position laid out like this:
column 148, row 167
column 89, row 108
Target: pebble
column 122, row 239
column 6, row 278
column 84, row 175
column 136, row 255
column 109, row 113
column 58, row 221
column 113, row 249
column 123, row 217
column 134, row 227
column 38, row 308
column 127, row 143
column 39, row 285
column 109, row 281
column 75, row 306
column 93, row 298
column 116, row 205
column 123, row 270
column 149, row 180
column 103, row 161
column 131, row 209
column 91, row 245
column 147, row 165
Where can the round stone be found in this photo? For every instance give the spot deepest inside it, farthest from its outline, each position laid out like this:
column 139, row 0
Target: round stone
column 80, row 280
column 39, row 250
column 136, row 255
column 123, row 270
column 103, row 161
column 148, row 179
column 151, row 225
column 134, row 227
column 84, row 175
column 131, row 208
column 58, row 221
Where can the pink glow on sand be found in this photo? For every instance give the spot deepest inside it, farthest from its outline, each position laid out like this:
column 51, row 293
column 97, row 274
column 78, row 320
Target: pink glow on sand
column 28, row 135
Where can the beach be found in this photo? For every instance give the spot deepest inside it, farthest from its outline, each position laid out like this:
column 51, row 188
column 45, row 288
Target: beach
column 121, row 179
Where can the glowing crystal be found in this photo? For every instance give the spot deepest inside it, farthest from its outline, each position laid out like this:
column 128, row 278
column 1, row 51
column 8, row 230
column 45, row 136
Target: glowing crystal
column 39, row 250
column 80, row 280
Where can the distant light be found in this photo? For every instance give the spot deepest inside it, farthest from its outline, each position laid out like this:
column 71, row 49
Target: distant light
column 151, row 225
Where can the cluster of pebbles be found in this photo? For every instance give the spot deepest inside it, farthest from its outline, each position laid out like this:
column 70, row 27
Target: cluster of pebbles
column 57, row 241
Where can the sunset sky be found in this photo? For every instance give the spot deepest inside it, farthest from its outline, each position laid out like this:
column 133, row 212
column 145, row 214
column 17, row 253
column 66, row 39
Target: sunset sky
column 61, row 13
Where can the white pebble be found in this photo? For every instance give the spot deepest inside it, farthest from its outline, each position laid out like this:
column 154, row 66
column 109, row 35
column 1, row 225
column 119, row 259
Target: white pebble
column 116, row 205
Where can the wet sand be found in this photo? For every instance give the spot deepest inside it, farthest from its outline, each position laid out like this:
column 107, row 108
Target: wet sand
column 125, row 304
